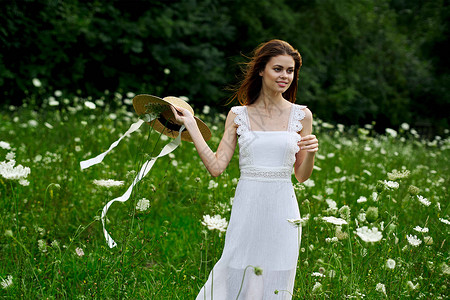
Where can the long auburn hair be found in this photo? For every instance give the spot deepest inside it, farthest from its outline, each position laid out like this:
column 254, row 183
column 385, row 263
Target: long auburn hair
column 250, row 87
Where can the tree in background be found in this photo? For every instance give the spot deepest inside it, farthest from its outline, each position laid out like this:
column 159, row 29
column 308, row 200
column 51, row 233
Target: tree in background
column 364, row 60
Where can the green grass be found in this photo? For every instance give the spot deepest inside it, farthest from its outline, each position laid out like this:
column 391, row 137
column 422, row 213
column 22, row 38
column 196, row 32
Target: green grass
column 165, row 252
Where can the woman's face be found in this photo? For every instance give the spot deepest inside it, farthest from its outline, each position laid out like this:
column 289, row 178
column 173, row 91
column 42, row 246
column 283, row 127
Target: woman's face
column 278, row 74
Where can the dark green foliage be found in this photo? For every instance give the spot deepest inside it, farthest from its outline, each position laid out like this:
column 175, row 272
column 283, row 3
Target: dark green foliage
column 382, row 60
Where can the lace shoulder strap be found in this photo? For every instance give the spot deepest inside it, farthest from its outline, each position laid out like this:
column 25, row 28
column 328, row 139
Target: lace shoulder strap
column 298, row 115
column 241, row 119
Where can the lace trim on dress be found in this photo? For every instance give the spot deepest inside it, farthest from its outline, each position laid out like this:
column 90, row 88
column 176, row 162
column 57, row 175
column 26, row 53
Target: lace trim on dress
column 240, row 119
column 297, row 138
column 243, row 131
column 295, row 126
column 266, row 174
column 298, row 115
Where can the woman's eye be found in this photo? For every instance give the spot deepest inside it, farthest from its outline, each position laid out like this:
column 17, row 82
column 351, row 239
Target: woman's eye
column 290, row 71
column 277, row 69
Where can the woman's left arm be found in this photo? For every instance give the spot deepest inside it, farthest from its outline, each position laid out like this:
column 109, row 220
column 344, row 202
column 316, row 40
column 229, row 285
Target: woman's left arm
column 309, row 145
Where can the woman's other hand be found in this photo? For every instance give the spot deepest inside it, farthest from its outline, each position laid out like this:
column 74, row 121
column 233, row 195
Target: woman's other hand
column 309, row 143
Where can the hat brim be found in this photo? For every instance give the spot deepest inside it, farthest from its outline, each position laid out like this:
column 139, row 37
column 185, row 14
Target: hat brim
column 165, row 123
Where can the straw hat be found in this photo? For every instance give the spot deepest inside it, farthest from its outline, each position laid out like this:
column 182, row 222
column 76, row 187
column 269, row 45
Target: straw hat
column 165, row 120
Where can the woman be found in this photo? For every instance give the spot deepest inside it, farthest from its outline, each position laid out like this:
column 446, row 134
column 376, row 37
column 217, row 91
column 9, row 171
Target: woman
column 273, row 135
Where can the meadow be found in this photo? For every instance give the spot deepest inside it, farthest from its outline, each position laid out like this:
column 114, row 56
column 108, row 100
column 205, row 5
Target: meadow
column 375, row 212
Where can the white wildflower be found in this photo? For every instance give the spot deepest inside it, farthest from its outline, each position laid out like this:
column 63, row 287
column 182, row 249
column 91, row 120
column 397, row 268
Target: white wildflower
column 7, row 282
column 8, row 232
column 381, row 288
column 423, row 200
column 206, row 109
column 54, row 244
column 5, row 145
column 340, row 235
column 128, row 101
column 297, row 187
column 317, row 274
column 334, row 220
column 79, row 251
column 362, row 216
column 337, row 169
column 317, row 287
column 395, row 175
column 411, row 285
column 166, row 71
column 444, row 221
column 331, row 204
column 327, row 125
column 344, row 212
column 299, row 222
column 89, row 104
column 404, row 126
column 212, row 184
column 187, row 100
column 390, row 263
column 445, row 269
column 130, row 95
column 420, row 229
column 9, row 171
column 309, row 183
column 361, row 199
column 374, row 196
column 331, row 240
column 108, row 182
column 369, row 235
column 391, row 184
column 391, row 132
column 52, row 101
column 367, row 172
column 58, row 93
column 32, row 123
column 216, row 222
column 24, row 182
column 10, row 155
column 413, row 240
column 37, row 82
column 42, row 246
column 143, row 204
column 329, row 191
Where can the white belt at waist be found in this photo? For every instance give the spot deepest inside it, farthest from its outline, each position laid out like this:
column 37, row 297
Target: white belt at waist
column 267, row 173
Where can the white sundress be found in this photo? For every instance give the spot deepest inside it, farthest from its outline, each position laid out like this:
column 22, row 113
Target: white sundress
column 258, row 233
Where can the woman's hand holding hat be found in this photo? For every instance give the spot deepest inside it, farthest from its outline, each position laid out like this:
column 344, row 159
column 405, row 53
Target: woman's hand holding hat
column 182, row 115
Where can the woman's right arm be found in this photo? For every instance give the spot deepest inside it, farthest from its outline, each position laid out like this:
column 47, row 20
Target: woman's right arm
column 216, row 162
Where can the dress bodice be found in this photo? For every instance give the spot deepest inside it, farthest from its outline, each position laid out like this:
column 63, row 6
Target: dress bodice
column 268, row 155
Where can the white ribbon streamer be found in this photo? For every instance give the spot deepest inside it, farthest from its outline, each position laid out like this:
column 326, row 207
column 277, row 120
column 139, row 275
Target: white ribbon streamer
column 98, row 159
column 146, row 167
